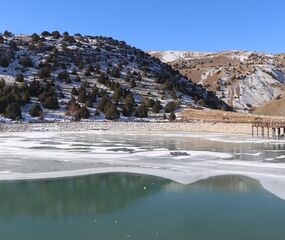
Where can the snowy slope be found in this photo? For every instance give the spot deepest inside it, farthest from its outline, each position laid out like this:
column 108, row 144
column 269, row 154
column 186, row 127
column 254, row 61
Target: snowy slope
column 153, row 79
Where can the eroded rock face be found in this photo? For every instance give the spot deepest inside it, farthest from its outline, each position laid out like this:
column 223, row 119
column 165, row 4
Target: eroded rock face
column 243, row 79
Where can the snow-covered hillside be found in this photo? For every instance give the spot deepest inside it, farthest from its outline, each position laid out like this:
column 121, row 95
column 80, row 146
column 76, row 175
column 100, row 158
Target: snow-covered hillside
column 243, row 79
column 55, row 76
column 171, row 56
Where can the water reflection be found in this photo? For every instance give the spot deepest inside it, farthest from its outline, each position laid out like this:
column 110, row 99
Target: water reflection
column 129, row 206
column 102, row 193
column 228, row 183
column 96, row 194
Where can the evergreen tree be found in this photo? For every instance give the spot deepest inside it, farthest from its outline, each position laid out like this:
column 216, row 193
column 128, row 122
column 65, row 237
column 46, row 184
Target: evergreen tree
column 82, row 95
column 133, row 84
column 73, row 106
column 142, row 111
column 36, row 110
column 105, row 101
column 13, row 111
column 115, row 72
column 129, row 103
column 74, row 91
column 63, row 75
column 51, row 102
column 156, row 107
column 84, row 113
column 19, row 78
column 102, row 78
column 172, row 117
column 56, row 34
column 26, row 61
column 170, row 107
column 35, row 37
column 77, row 79
column 111, row 113
column 97, row 68
column 89, row 103
column 35, row 88
column 26, row 97
column 44, row 72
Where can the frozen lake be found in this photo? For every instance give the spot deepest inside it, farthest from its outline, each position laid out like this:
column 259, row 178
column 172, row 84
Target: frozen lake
column 184, row 158
column 158, row 186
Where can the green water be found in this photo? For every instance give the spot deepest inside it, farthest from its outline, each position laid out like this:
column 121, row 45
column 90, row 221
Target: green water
column 129, row 206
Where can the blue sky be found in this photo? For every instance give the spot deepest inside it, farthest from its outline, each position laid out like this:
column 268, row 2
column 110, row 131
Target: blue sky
column 200, row 25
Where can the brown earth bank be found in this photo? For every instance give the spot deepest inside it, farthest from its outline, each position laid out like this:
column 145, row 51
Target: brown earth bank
column 217, row 116
column 274, row 107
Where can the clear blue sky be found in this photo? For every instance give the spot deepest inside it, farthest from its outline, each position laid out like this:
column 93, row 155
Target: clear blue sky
column 201, row 25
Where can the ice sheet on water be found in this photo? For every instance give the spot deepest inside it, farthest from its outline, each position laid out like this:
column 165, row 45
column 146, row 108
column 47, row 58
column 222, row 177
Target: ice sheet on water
column 49, row 155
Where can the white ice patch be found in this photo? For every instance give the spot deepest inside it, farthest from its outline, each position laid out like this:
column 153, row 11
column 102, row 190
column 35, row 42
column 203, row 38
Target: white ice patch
column 32, row 156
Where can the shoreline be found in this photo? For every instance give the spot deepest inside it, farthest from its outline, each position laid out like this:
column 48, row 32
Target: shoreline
column 129, row 127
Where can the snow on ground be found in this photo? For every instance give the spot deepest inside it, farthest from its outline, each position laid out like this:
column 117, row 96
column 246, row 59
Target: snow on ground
column 171, row 56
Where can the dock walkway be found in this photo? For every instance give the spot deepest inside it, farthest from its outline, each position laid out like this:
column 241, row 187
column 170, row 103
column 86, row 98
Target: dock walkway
column 269, row 128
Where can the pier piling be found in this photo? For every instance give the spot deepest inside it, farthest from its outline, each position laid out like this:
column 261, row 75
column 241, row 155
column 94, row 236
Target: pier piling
column 276, row 127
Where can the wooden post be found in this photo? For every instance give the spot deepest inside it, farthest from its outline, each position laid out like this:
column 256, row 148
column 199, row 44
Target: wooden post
column 277, row 129
column 257, row 131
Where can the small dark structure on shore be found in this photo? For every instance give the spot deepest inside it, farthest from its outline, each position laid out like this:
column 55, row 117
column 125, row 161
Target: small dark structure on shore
column 269, row 128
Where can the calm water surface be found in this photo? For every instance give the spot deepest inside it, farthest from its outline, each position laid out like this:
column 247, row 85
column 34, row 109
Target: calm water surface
column 128, row 206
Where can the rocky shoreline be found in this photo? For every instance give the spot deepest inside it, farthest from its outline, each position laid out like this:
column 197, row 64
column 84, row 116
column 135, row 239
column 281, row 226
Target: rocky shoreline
column 127, row 127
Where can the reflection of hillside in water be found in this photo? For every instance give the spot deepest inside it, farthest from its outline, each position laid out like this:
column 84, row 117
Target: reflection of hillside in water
column 95, row 194
column 228, row 183
column 101, row 193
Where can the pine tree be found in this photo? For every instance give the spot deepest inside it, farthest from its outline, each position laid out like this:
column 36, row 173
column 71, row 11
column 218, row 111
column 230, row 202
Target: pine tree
column 26, row 61
column 13, row 111
column 170, row 107
column 36, row 110
column 142, row 111
column 128, row 105
column 102, row 79
column 156, row 107
column 84, row 113
column 97, row 68
column 44, row 72
column 172, row 117
column 112, row 113
column 19, row 78
column 51, row 102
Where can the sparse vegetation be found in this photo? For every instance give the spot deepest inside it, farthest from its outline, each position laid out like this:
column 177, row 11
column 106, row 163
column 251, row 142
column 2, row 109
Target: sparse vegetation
column 87, row 76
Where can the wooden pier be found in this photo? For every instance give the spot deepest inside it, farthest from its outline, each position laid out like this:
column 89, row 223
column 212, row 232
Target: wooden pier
column 274, row 129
